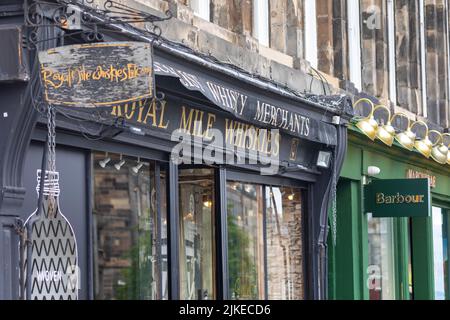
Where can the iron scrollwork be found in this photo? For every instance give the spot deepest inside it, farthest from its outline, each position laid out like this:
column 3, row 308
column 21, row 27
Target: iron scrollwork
column 86, row 17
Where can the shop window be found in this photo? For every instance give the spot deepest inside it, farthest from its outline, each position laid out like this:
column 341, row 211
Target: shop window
column 284, row 243
column 440, row 253
column 265, row 257
column 197, row 244
column 381, row 258
column 245, row 241
column 130, row 252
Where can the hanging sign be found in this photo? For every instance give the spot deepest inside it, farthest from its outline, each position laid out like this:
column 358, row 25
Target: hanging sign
column 97, row 74
column 398, row 198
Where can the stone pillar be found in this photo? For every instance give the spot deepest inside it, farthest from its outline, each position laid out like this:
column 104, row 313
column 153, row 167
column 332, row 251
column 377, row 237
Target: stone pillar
column 325, row 39
column 278, row 25
column 340, row 40
column 294, row 28
column 409, row 89
column 233, row 15
column 436, row 61
column 374, row 50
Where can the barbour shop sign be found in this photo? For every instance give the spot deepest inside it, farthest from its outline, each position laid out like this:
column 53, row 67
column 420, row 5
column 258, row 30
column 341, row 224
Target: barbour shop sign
column 98, row 74
column 398, row 198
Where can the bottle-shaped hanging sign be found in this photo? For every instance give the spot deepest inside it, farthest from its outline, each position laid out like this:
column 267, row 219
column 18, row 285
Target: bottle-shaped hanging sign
column 54, row 256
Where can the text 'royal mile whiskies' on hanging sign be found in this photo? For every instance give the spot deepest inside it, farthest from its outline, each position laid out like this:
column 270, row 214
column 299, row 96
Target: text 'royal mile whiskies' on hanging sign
column 99, row 74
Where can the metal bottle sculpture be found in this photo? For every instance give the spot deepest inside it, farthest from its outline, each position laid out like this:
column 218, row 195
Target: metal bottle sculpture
column 51, row 266
column 54, row 257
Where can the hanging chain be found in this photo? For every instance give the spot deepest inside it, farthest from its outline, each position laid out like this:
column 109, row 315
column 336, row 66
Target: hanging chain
column 51, row 126
column 51, row 162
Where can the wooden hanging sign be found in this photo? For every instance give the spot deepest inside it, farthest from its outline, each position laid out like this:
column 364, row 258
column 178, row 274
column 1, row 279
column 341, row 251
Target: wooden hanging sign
column 97, row 74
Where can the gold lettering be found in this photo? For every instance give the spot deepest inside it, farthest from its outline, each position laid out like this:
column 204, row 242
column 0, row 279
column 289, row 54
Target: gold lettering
column 209, row 125
column 186, row 124
column 141, row 110
column 380, row 198
column 151, row 113
column 161, row 117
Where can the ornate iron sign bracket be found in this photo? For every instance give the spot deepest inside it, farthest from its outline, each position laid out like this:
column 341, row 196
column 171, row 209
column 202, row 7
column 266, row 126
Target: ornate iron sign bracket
column 86, row 17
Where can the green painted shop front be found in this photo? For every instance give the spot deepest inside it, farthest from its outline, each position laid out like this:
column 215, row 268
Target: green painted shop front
column 388, row 258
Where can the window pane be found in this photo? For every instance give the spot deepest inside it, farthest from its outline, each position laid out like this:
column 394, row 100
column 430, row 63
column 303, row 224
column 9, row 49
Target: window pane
column 245, row 241
column 284, row 243
column 125, row 237
column 197, row 245
column 439, row 255
column 381, row 258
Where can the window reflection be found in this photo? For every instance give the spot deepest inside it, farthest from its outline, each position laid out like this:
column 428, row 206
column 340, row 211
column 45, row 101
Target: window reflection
column 440, row 250
column 265, row 254
column 284, row 243
column 197, row 251
column 128, row 262
column 381, row 259
column 245, row 241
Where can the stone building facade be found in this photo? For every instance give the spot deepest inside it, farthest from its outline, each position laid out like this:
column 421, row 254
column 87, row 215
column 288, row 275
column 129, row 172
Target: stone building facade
column 393, row 68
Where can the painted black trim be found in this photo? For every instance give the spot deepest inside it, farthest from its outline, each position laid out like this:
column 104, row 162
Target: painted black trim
column 90, row 225
column 158, row 226
column 264, row 208
column 221, row 233
column 173, row 233
column 236, row 175
column 73, row 139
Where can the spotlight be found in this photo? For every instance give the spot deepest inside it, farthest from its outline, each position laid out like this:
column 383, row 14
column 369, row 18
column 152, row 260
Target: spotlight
column 424, row 146
column 291, row 196
column 138, row 166
column 105, row 161
column 367, row 125
column 386, row 133
column 207, row 203
column 406, row 138
column 323, row 159
column 439, row 153
column 373, row 171
column 119, row 164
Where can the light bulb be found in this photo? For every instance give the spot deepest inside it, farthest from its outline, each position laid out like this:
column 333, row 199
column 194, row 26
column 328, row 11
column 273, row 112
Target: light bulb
column 119, row 164
column 104, row 162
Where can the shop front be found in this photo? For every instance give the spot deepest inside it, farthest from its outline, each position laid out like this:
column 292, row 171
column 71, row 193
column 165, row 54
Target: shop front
column 397, row 255
column 217, row 186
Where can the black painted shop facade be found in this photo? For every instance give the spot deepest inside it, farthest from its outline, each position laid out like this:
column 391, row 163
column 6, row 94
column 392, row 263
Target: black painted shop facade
column 147, row 227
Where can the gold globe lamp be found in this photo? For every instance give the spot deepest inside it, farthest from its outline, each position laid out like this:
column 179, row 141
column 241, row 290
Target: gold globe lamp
column 385, row 132
column 405, row 138
column 367, row 125
column 439, row 152
column 424, row 146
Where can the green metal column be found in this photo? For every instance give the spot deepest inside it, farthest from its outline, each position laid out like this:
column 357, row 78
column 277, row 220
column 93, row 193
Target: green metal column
column 402, row 258
column 422, row 258
column 350, row 254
